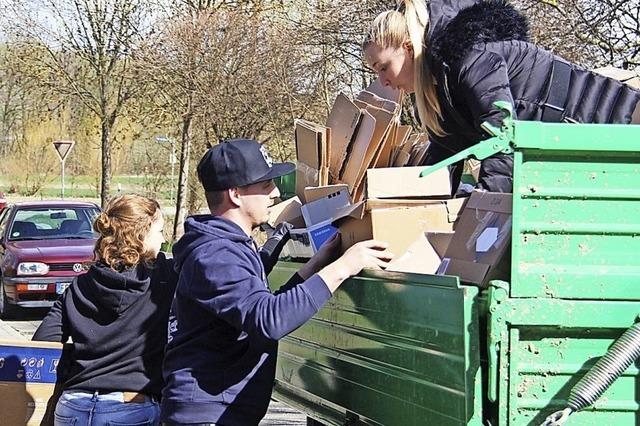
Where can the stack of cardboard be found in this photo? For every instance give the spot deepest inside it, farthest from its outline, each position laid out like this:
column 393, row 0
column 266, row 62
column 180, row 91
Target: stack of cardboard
column 359, row 176
column 360, row 134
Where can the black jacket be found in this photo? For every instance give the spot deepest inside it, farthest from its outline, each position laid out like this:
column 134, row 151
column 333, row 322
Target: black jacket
column 118, row 324
column 479, row 54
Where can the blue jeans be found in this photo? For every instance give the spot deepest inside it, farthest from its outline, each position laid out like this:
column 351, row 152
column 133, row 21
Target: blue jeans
column 93, row 409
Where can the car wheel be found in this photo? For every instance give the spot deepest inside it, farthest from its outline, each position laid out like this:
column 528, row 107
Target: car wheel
column 7, row 310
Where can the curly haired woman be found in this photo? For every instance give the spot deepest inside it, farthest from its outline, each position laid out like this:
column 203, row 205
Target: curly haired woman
column 116, row 315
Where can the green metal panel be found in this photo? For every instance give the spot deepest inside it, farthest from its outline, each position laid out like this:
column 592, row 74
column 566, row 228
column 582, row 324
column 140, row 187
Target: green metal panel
column 389, row 348
column 546, row 346
column 576, row 211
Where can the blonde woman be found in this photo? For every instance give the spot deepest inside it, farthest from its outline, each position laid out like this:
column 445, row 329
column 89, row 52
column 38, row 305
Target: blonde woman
column 460, row 56
column 116, row 315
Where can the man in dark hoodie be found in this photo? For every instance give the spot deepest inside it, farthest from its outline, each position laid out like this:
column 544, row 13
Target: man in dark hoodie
column 220, row 361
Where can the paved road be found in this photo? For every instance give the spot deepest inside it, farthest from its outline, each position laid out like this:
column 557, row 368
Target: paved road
column 25, row 325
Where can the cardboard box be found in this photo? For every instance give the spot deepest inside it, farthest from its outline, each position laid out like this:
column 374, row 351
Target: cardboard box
column 28, row 381
column 424, row 255
column 405, row 182
column 320, row 216
column 397, row 223
column 480, row 249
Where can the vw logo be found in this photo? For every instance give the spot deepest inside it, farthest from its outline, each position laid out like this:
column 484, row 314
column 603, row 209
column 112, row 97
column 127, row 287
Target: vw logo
column 77, row 267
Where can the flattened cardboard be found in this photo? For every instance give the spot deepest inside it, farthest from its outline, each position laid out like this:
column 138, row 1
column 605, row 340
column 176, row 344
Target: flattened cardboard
column 424, row 255
column 356, row 167
column 478, row 252
column 405, row 182
column 358, row 151
column 343, row 120
column 308, row 155
column 400, row 226
column 28, row 381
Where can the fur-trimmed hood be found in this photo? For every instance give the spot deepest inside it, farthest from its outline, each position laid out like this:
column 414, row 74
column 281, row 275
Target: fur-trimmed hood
column 451, row 37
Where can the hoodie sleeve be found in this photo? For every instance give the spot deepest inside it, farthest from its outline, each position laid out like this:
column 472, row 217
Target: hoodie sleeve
column 52, row 328
column 233, row 291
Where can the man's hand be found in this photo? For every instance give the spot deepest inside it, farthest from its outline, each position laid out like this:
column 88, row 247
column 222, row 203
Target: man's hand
column 365, row 254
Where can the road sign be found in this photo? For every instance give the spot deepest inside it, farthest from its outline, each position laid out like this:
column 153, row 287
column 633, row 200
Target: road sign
column 63, row 148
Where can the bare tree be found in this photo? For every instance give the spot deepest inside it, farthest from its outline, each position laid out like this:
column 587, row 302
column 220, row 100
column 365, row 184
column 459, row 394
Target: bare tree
column 84, row 46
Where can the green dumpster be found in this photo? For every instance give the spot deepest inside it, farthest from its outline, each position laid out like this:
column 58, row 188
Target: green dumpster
column 405, row 349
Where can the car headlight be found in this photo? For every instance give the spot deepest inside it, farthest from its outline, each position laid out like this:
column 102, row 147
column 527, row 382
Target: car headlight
column 32, row 268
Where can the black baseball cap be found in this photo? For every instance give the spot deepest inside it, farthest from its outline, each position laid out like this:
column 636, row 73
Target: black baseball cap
column 238, row 162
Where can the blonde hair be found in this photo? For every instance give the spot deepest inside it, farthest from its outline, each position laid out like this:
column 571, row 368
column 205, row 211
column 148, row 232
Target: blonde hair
column 393, row 28
column 123, row 227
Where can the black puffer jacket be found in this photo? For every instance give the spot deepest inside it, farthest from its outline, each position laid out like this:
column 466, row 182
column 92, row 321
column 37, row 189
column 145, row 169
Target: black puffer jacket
column 479, row 54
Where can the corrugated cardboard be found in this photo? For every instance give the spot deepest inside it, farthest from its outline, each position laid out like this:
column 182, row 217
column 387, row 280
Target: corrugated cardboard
column 343, row 120
column 424, row 255
column 28, row 391
column 400, row 226
column 386, row 92
column 287, row 211
column 356, row 167
column 320, row 216
column 312, row 149
column 358, row 150
column 628, row 77
column 405, row 182
column 480, row 249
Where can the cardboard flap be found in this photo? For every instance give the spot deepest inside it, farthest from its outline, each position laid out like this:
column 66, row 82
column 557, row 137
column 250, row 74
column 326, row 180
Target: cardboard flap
column 287, row 211
column 401, row 182
column 343, row 120
column 439, row 241
column 490, row 201
column 385, row 92
column 455, row 207
column 314, row 193
column 325, row 208
column 469, row 272
column 420, row 258
column 378, row 102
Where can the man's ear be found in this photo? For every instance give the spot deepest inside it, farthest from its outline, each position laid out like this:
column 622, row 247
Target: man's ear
column 408, row 46
column 234, row 196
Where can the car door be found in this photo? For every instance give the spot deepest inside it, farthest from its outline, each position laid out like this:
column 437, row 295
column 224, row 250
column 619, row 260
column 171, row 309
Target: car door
column 4, row 219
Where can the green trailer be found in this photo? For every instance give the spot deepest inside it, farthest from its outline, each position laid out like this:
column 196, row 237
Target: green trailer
column 406, row 349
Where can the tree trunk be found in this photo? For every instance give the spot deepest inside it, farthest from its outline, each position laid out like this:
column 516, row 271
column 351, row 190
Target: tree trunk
column 183, row 177
column 106, row 161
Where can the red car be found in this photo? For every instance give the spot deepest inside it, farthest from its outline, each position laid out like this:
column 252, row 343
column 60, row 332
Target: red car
column 43, row 246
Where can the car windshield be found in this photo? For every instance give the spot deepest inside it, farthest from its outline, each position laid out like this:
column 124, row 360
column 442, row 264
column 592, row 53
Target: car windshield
column 51, row 223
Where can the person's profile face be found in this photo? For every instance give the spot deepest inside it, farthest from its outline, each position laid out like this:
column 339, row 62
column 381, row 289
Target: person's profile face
column 394, row 66
column 256, row 200
column 155, row 237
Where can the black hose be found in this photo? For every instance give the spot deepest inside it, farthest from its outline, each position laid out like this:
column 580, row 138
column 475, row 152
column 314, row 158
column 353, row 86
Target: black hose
column 618, row 358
